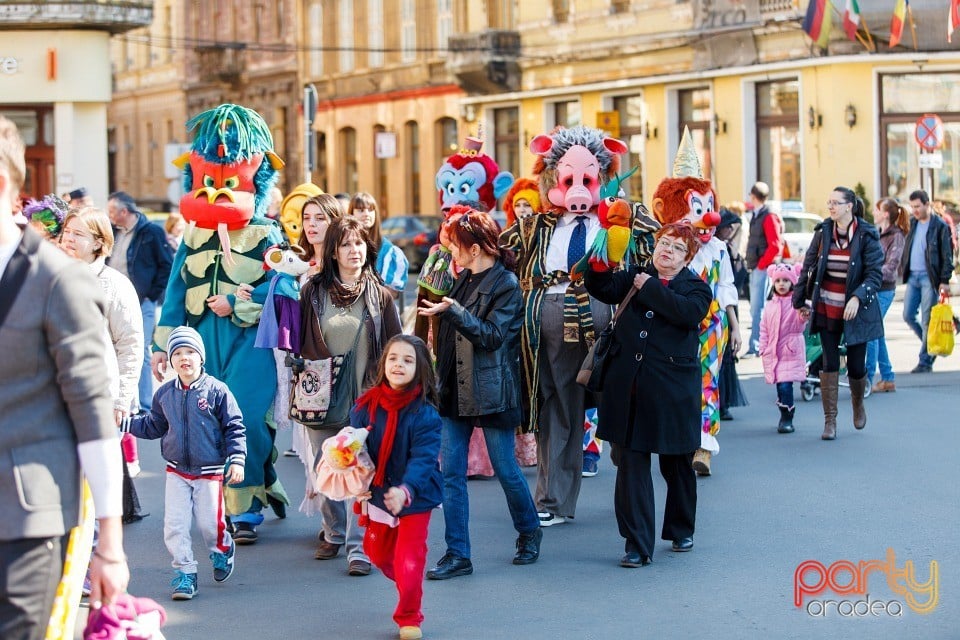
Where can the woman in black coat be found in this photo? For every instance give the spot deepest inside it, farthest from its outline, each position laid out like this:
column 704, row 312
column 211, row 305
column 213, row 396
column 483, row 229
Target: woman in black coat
column 843, row 269
column 651, row 403
column 478, row 370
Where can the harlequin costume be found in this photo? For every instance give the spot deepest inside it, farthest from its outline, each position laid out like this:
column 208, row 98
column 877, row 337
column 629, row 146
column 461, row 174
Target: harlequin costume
column 227, row 177
column 687, row 196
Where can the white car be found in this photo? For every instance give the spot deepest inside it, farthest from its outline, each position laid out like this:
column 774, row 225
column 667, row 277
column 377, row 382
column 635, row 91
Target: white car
column 798, row 229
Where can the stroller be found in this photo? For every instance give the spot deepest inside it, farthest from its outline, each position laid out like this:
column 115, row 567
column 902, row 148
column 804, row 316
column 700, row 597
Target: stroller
column 811, row 386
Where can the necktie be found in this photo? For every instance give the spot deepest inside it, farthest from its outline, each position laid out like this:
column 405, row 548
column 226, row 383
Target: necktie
column 578, row 243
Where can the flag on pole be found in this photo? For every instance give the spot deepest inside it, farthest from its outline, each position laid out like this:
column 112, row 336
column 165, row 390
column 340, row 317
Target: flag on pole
column 954, row 19
column 897, row 22
column 851, row 19
column 818, row 21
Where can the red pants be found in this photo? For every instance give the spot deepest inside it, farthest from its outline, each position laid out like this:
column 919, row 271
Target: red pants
column 401, row 554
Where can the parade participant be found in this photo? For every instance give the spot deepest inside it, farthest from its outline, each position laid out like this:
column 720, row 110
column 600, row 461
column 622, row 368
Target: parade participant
column 893, row 223
column 391, row 264
column 652, row 397
column 345, row 312
column 227, row 177
column 174, row 226
column 478, row 372
column 404, row 442
column 559, row 317
column 291, row 210
column 729, row 230
column 46, row 216
column 842, row 273
column 765, row 245
column 202, row 433
column 56, row 417
column 687, row 196
column 782, row 346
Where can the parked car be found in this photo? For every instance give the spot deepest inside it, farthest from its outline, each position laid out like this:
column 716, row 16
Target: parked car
column 414, row 234
column 798, row 229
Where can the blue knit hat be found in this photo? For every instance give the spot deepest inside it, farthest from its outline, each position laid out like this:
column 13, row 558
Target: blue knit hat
column 186, row 337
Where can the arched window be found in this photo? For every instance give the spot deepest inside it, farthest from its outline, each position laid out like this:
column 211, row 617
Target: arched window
column 411, row 137
column 380, row 175
column 348, row 159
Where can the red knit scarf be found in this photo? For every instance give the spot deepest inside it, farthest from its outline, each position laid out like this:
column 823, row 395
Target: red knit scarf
column 392, row 401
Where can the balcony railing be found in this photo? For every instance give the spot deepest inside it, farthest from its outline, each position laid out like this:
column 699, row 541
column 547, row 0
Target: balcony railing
column 115, row 17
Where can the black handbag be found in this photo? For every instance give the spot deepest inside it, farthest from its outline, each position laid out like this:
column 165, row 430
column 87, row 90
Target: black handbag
column 593, row 368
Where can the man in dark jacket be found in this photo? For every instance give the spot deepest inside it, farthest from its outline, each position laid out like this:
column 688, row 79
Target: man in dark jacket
column 141, row 253
column 764, row 247
column 925, row 267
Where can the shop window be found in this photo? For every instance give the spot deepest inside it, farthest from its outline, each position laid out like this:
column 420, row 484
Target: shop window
column 778, row 138
column 630, row 109
column 696, row 114
column 506, row 139
column 412, row 134
column 348, row 159
column 566, row 113
column 903, row 100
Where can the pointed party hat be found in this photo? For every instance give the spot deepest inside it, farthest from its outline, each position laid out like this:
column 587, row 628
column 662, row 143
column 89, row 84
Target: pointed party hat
column 687, row 164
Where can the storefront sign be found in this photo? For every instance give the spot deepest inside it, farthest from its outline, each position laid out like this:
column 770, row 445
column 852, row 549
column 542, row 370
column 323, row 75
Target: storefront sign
column 9, row 65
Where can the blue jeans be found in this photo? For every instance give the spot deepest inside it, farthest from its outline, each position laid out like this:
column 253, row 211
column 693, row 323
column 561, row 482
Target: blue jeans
column 785, row 395
column 145, row 389
column 456, row 503
column 919, row 296
column 758, row 297
column 877, row 349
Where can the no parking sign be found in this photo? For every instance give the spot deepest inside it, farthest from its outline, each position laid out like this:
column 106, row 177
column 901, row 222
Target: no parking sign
column 929, row 133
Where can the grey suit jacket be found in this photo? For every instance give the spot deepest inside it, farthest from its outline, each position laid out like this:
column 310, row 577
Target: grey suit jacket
column 53, row 389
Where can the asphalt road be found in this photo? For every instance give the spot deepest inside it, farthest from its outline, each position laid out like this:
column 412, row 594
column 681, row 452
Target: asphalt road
column 774, row 502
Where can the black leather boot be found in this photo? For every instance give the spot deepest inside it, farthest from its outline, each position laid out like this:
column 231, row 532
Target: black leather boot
column 786, row 420
column 528, row 547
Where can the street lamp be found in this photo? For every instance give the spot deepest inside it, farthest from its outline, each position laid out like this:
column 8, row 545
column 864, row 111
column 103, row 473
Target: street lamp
column 814, row 119
column 850, row 115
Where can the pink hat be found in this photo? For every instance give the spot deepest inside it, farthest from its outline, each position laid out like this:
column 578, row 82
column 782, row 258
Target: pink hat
column 789, row 272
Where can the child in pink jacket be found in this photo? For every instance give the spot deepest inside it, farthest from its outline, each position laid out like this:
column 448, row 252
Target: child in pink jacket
column 781, row 341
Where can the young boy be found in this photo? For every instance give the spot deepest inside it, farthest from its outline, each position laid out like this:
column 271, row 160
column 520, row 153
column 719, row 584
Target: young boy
column 201, row 431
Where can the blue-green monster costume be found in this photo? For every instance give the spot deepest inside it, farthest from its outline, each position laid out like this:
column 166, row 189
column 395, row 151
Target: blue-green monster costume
column 226, row 177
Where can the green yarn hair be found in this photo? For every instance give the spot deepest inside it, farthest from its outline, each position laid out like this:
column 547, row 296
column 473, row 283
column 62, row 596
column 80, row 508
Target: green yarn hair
column 242, row 132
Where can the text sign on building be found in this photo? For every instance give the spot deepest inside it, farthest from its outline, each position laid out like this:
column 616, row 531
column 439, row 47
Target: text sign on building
column 385, row 144
column 931, row 160
column 929, row 133
column 9, row 65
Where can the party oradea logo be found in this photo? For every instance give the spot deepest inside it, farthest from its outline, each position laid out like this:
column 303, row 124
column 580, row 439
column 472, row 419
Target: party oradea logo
column 813, row 583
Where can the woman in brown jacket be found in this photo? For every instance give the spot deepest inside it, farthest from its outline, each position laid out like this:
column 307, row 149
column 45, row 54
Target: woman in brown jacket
column 893, row 223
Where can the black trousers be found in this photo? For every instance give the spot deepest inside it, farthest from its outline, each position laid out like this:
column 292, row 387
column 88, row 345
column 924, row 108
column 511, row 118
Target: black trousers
column 856, row 355
column 30, row 570
column 634, row 504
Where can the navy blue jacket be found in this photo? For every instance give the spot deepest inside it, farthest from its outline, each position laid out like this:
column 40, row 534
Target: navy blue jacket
column 414, row 459
column 149, row 259
column 201, row 428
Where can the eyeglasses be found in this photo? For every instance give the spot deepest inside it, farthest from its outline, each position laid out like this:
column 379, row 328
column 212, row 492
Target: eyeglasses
column 836, row 203
column 665, row 245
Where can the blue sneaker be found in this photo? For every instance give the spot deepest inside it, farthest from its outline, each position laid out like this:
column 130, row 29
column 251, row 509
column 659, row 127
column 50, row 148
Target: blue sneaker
column 184, row 586
column 223, row 563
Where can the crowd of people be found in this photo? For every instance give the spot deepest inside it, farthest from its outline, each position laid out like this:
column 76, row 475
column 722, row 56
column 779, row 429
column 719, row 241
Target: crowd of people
column 507, row 318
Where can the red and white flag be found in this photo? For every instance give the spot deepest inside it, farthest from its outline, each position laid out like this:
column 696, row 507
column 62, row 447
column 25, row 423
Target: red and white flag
column 953, row 21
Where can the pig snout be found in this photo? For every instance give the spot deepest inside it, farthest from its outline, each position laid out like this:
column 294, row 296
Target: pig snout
column 578, row 199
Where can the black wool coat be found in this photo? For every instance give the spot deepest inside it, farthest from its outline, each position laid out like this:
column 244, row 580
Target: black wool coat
column 864, row 279
column 653, row 386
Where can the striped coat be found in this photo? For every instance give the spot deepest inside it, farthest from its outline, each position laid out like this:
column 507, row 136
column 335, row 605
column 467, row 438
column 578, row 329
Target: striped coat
column 529, row 239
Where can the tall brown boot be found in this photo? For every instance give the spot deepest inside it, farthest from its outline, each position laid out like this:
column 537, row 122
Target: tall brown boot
column 857, row 389
column 828, row 394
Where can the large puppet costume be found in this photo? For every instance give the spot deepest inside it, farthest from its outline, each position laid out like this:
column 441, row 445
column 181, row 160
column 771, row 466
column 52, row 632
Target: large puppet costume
column 227, row 177
column 687, row 196
column 468, row 178
column 559, row 317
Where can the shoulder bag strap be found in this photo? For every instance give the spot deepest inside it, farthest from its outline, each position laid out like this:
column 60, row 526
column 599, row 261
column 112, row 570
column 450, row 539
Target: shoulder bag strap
column 623, row 305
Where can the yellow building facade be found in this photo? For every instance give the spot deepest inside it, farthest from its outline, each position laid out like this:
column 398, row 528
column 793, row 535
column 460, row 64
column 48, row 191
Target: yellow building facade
column 761, row 101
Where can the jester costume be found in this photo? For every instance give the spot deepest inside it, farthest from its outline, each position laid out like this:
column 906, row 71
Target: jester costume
column 712, row 264
column 227, row 176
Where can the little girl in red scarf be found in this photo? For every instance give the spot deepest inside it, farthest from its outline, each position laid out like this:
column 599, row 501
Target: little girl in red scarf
column 404, row 442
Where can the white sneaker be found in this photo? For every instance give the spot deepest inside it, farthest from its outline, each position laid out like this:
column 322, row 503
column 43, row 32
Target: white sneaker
column 551, row 520
column 133, row 468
